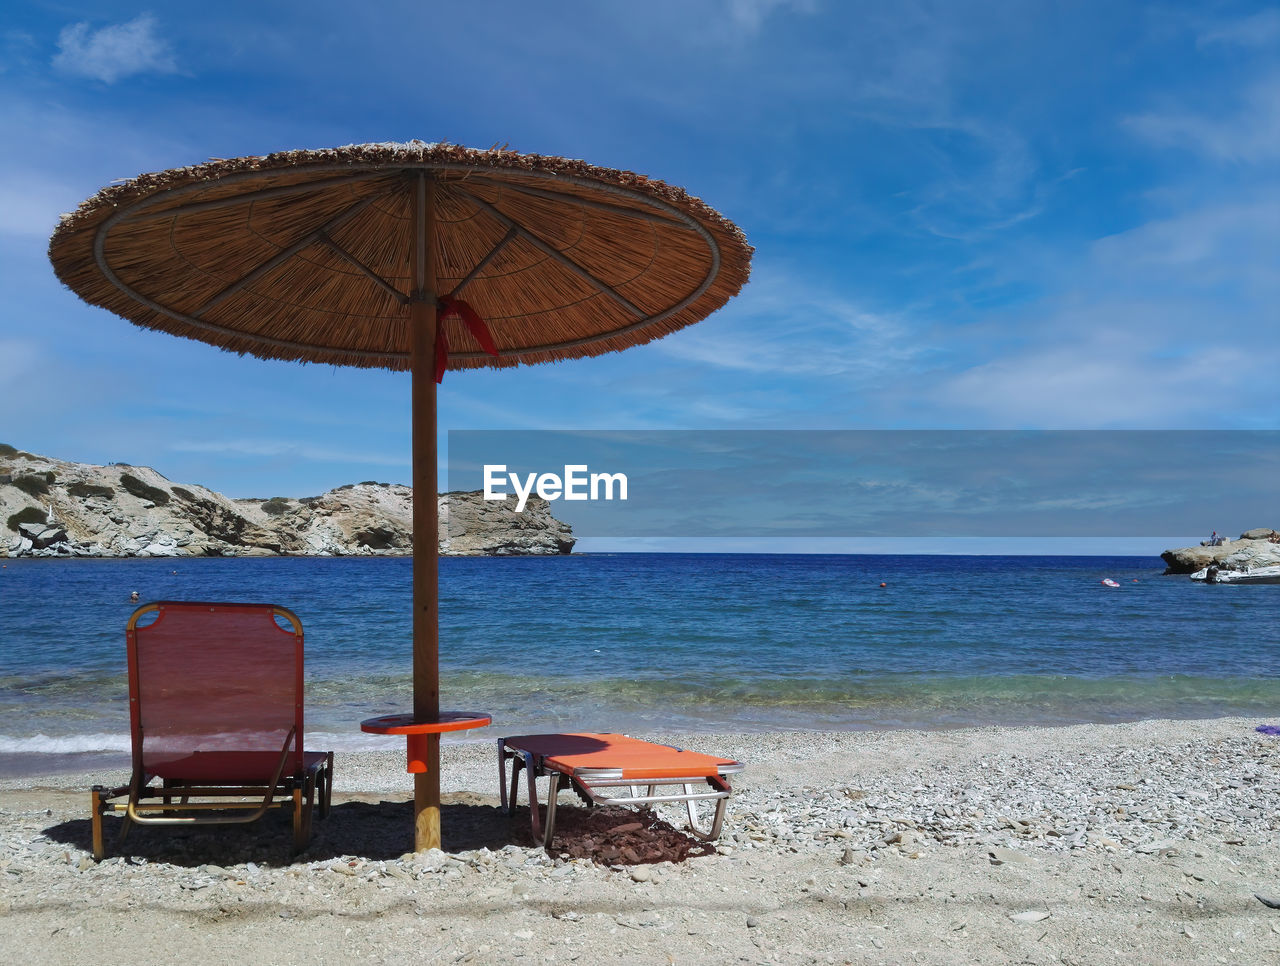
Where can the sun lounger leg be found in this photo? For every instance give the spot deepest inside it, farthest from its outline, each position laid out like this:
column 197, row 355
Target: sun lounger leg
column 553, row 794
column 717, row 821
column 516, row 765
column 507, row 802
column 535, row 819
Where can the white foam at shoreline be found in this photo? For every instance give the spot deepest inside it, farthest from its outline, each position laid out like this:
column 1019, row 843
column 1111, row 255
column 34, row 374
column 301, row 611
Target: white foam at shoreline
column 63, row 744
column 78, row 744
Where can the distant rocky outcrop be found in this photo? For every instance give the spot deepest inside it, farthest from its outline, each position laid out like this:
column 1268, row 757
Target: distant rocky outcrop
column 1255, row 548
column 55, row 508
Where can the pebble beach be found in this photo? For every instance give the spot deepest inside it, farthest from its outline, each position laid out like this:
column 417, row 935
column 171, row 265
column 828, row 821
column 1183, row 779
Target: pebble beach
column 1148, row 842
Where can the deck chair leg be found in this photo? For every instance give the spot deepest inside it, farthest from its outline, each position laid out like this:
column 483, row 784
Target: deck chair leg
column 135, row 793
column 299, row 820
column 99, row 847
column 311, row 804
column 328, row 787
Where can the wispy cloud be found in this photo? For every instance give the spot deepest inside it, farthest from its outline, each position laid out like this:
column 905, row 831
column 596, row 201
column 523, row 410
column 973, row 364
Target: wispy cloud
column 113, row 52
column 29, row 206
column 1247, row 132
column 1098, row 381
column 291, row 449
column 17, row 47
column 787, row 326
column 750, row 15
column 19, row 355
column 1232, row 245
column 1161, row 326
column 1257, row 30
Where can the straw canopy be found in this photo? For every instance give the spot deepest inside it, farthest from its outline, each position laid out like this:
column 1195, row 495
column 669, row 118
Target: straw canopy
column 307, row 255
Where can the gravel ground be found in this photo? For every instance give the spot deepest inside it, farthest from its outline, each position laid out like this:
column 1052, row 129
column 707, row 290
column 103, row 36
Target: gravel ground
column 1135, row 843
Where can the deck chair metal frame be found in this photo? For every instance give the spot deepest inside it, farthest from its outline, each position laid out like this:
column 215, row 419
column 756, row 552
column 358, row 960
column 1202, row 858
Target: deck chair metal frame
column 298, row 779
column 611, row 786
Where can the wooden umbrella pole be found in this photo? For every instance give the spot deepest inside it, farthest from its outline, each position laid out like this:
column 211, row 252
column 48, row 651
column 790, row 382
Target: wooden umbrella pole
column 426, row 548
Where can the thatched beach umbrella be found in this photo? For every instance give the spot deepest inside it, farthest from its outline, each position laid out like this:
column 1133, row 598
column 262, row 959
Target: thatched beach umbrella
column 419, row 257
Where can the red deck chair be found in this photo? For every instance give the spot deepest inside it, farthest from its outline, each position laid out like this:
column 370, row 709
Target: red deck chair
column 215, row 710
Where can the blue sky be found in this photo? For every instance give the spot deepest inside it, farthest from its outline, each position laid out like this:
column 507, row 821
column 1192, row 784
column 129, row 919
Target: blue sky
column 990, row 215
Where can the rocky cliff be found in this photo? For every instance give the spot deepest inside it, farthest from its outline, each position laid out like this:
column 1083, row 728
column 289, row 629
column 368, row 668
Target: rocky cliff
column 51, row 508
column 1254, row 548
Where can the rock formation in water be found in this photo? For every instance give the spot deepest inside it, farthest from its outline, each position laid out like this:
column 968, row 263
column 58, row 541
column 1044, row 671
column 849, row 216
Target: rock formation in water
column 1255, row 548
column 54, row 508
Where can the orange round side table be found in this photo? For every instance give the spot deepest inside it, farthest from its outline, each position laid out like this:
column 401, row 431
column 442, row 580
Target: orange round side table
column 417, row 732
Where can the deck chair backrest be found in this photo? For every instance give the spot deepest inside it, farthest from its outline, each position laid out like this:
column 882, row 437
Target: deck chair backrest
column 212, row 677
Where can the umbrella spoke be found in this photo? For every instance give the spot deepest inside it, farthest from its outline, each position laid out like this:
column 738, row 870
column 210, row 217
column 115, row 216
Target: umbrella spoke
column 264, row 194
column 285, row 254
column 338, row 250
column 587, row 203
column 559, row 256
column 511, row 234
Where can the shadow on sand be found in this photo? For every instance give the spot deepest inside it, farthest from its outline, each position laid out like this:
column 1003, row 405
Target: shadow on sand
column 383, row 830
column 369, row 829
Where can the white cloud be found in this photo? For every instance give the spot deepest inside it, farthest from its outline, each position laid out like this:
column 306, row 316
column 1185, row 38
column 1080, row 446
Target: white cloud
column 750, row 15
column 1094, row 381
column 1250, row 133
column 1258, row 30
column 16, row 49
column 787, row 327
column 19, row 355
column 30, row 204
column 1233, row 245
column 291, row 449
column 1165, row 325
column 113, row 52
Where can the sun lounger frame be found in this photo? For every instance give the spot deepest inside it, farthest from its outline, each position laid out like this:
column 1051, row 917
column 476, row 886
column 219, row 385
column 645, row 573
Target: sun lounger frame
column 605, row 786
column 217, row 804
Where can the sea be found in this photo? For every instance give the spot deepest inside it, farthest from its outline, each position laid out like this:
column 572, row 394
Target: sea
column 645, row 643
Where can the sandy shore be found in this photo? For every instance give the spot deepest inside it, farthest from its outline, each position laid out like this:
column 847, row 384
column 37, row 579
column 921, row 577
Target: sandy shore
column 1142, row 843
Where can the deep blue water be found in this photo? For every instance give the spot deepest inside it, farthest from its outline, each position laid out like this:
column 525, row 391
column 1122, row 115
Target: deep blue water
column 673, row 641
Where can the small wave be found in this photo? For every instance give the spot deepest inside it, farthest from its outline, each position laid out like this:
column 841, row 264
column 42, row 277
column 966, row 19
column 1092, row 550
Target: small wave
column 87, row 743
column 352, row 741
column 62, row 744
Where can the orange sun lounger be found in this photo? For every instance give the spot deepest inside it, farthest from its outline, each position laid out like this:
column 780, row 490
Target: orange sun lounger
column 610, row 769
column 215, row 713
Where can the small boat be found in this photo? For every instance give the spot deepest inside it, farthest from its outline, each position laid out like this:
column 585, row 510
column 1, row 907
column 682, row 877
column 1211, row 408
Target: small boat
column 1108, row 582
column 1258, row 575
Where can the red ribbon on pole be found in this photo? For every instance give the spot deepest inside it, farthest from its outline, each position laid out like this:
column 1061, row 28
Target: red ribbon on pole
column 451, row 308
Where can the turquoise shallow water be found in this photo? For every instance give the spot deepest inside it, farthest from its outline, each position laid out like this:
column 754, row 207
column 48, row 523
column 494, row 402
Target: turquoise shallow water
column 672, row 641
